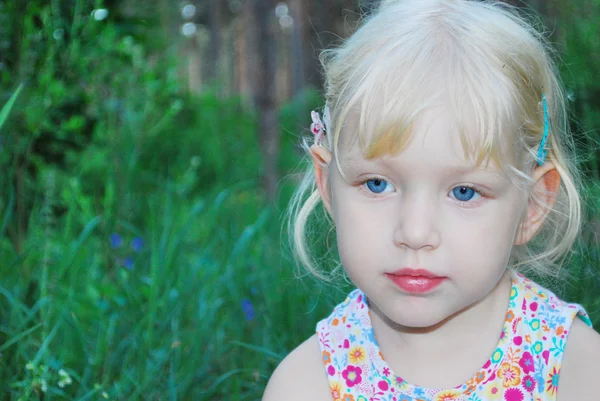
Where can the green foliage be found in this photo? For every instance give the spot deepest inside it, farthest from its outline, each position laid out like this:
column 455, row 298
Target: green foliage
column 580, row 67
column 139, row 253
column 103, row 141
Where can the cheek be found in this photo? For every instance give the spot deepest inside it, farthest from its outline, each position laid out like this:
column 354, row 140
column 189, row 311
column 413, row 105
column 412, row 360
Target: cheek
column 363, row 231
column 485, row 243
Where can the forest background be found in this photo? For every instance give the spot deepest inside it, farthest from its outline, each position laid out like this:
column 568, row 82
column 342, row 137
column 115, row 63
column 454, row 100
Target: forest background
column 147, row 162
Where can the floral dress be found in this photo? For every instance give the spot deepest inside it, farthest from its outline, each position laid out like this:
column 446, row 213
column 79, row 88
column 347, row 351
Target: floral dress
column 525, row 365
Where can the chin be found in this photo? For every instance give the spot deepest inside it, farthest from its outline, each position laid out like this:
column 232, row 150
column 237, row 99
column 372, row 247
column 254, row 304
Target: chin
column 418, row 318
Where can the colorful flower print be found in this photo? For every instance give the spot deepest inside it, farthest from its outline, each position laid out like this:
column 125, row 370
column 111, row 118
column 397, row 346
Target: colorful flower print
column 470, row 389
column 510, row 375
column 348, row 397
column 535, row 324
column 352, row 375
column 553, row 381
column 529, row 383
column 448, row 395
column 526, row 363
column 515, row 324
column 513, row 394
column 497, row 355
column 546, row 355
column 493, row 392
column 399, row 383
column 326, row 357
column 357, row 355
column 335, row 391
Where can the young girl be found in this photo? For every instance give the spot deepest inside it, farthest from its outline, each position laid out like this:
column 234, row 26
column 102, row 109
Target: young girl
column 444, row 163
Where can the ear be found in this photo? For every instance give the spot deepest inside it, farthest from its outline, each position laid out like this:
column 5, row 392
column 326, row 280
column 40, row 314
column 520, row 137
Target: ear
column 321, row 161
column 545, row 189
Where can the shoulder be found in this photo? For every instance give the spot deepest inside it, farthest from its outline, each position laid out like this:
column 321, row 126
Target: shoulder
column 581, row 364
column 300, row 376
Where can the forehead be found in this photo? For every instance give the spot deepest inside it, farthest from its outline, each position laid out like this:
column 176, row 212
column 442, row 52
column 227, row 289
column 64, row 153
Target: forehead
column 434, row 136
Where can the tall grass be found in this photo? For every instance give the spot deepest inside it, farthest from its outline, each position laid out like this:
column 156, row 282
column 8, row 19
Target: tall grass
column 152, row 286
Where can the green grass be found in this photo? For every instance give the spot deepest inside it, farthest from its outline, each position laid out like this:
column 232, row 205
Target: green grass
column 172, row 326
column 86, row 317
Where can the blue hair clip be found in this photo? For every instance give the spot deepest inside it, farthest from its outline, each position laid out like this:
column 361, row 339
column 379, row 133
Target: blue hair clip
column 542, row 151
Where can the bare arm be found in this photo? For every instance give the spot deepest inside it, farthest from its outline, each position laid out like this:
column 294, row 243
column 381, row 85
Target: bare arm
column 580, row 371
column 300, row 376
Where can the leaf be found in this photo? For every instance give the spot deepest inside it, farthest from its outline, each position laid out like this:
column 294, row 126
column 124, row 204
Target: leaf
column 9, row 105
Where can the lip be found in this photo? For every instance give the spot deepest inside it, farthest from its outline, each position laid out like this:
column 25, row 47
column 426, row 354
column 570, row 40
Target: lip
column 416, row 281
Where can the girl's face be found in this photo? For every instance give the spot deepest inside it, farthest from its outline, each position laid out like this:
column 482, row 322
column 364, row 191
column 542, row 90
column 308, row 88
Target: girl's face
column 424, row 208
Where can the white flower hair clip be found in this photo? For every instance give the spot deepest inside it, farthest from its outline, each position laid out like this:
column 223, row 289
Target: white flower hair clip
column 317, row 128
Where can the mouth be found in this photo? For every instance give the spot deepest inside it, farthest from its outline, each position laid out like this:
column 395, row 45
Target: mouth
column 416, row 281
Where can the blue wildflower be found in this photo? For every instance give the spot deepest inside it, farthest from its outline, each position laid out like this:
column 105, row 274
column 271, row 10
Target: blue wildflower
column 128, row 263
column 137, row 244
column 248, row 309
column 115, row 240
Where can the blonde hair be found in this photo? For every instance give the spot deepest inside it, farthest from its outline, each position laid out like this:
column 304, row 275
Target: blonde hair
column 480, row 58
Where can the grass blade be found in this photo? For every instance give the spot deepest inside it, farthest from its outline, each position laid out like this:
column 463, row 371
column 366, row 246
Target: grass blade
column 9, row 105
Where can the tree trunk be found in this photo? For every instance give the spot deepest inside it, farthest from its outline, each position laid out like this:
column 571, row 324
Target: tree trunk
column 215, row 39
column 194, row 66
column 264, row 47
column 297, row 11
column 247, row 52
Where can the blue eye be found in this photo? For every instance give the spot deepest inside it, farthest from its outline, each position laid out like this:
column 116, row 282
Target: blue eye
column 377, row 185
column 464, row 193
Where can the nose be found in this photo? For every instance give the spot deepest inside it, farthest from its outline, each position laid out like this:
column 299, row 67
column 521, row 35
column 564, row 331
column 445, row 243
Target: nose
column 417, row 226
